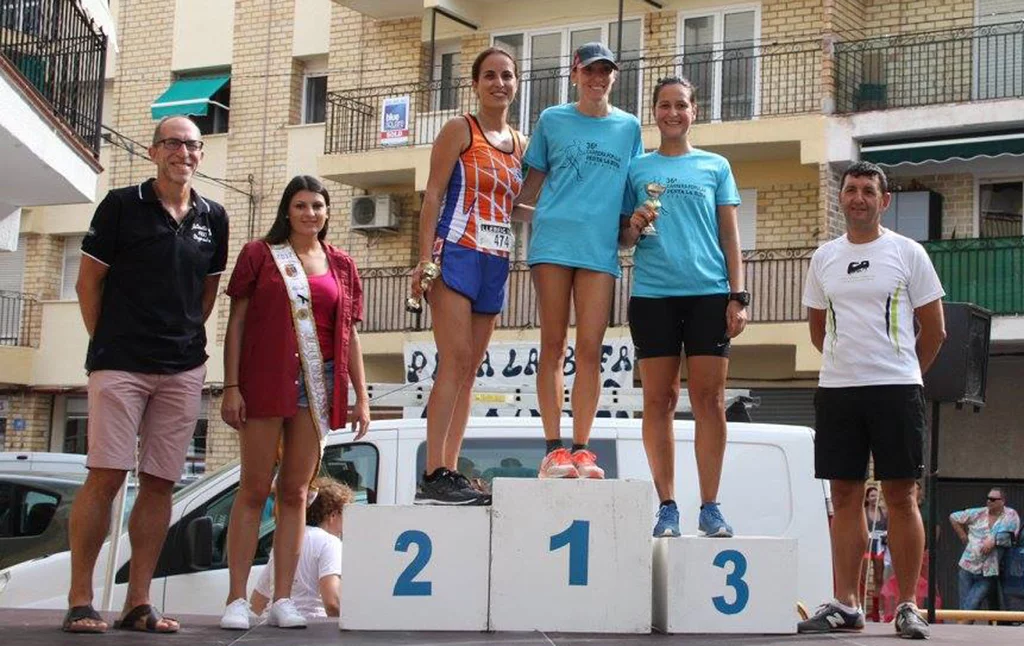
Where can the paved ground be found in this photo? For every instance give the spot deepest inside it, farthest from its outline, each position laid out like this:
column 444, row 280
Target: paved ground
column 39, row 627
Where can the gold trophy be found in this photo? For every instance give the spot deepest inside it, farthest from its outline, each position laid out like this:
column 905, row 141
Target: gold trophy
column 654, row 191
column 429, row 272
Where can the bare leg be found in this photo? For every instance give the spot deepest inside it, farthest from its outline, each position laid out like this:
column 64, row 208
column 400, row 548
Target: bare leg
column 452, row 326
column 906, row 535
column 849, row 537
column 482, row 328
column 706, row 385
column 592, row 313
column 301, row 453
column 553, row 285
column 87, row 529
column 660, row 378
column 147, row 529
column 258, row 443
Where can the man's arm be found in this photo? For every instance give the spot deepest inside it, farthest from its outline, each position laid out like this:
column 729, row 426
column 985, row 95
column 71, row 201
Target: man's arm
column 932, row 332
column 210, row 294
column 816, row 322
column 330, row 594
column 958, row 527
column 91, row 275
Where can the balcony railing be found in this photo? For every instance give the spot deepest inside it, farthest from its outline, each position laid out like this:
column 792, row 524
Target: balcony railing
column 19, row 314
column 985, row 271
column 60, row 52
column 737, row 83
column 926, row 68
column 774, row 276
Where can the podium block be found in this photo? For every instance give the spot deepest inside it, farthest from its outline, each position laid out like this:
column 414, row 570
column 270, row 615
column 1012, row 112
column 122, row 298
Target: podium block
column 725, row 585
column 571, row 555
column 415, row 568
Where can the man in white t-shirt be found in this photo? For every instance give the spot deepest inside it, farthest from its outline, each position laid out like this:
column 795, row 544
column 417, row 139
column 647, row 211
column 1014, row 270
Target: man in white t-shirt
column 316, row 591
column 865, row 292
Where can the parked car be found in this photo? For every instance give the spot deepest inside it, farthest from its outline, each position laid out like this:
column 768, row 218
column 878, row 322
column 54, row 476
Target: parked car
column 43, row 462
column 768, row 488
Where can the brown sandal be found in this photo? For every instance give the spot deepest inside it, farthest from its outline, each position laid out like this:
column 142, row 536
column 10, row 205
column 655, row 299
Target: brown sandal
column 144, row 619
column 78, row 613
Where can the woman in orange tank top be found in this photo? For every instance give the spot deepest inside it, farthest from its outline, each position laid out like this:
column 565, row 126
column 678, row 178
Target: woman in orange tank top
column 465, row 229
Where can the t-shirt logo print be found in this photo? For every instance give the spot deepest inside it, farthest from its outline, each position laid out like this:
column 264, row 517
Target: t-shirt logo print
column 573, row 153
column 856, row 267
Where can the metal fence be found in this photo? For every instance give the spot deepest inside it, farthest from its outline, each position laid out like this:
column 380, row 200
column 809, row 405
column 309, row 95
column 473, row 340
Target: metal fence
column 734, row 83
column 985, row 271
column 926, row 68
column 18, row 313
column 775, row 277
column 60, row 52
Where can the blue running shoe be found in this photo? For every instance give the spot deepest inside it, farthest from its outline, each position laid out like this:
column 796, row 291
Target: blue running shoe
column 711, row 522
column 668, row 521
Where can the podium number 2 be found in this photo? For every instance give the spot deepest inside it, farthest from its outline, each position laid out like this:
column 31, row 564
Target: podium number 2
column 577, row 537
column 405, row 586
column 735, row 580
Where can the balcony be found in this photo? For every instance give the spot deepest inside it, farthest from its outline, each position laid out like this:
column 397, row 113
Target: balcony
column 19, row 320
column 737, row 84
column 929, row 68
column 986, row 271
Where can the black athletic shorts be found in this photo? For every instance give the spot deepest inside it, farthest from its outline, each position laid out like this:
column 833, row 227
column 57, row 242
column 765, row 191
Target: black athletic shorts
column 887, row 421
column 663, row 327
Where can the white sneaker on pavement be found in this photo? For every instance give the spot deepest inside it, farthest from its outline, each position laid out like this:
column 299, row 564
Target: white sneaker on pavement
column 284, row 614
column 238, row 616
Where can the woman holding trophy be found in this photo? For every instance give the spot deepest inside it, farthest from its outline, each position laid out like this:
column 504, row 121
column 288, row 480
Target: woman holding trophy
column 465, row 242
column 579, row 155
column 688, row 294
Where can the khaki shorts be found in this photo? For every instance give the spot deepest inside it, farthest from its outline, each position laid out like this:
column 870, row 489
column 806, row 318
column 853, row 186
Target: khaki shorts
column 157, row 412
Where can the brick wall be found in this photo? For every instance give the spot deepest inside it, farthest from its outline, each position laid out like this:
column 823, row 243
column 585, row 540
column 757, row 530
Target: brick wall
column 902, row 16
column 221, row 439
column 791, row 19
column 34, row 408
column 661, row 34
column 788, row 216
column 44, row 259
column 828, row 203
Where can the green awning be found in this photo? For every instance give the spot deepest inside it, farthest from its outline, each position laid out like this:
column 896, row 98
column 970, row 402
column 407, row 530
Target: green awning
column 189, row 96
column 912, row 153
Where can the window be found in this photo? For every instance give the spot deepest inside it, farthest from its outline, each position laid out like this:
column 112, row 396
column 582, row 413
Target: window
column 719, row 58
column 218, row 109
column 25, row 511
column 1000, row 209
column 76, row 426
column 356, row 466
column 195, row 458
column 486, row 459
column 12, row 273
column 747, row 216
column 545, row 56
column 314, row 99
column 445, row 87
column 72, row 258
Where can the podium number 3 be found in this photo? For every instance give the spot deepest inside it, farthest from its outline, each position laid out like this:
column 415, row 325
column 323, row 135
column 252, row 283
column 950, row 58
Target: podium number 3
column 735, row 580
column 577, row 537
column 405, row 586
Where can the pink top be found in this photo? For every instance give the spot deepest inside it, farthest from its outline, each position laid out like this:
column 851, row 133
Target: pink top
column 323, row 289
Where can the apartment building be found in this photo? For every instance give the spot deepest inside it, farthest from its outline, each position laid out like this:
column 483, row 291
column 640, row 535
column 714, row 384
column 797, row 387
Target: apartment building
column 790, row 91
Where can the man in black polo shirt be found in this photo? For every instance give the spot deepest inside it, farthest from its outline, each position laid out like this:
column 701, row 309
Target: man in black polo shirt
column 151, row 264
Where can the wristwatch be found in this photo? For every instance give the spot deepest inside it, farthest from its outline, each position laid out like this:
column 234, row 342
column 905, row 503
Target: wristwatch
column 743, row 298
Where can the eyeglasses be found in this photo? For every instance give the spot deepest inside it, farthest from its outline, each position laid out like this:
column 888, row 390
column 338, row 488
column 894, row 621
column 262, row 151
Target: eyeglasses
column 991, row 499
column 173, row 145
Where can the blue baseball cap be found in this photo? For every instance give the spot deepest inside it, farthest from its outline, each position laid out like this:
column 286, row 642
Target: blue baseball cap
column 588, row 53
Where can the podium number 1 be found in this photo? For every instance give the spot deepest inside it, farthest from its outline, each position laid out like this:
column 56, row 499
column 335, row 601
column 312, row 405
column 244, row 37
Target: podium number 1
column 405, row 586
column 577, row 537
column 734, row 580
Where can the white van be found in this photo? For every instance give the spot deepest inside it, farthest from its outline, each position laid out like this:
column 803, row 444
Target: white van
column 768, row 489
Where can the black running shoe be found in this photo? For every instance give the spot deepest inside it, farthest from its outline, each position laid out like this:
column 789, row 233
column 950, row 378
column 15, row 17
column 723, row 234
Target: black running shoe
column 444, row 490
column 909, row 624
column 483, row 498
column 830, row 618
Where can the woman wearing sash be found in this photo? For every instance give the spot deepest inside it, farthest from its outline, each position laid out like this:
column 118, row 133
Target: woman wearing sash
column 466, row 232
column 578, row 157
column 290, row 351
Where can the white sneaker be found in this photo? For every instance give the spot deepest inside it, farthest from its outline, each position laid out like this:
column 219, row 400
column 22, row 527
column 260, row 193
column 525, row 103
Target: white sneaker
column 237, row 616
column 284, row 614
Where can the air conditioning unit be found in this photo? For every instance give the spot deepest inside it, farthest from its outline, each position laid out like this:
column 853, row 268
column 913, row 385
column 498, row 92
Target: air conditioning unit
column 374, row 212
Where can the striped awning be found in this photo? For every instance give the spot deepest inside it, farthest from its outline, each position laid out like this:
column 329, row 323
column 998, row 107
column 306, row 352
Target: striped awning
column 963, row 148
column 189, row 96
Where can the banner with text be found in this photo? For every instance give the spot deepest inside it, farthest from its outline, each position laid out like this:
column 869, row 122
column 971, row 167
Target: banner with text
column 394, row 121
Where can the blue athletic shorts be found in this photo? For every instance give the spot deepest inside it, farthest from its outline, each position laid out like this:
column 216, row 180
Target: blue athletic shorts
column 478, row 276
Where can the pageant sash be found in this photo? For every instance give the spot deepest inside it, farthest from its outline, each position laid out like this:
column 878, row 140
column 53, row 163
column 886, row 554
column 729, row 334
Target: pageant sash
column 305, row 331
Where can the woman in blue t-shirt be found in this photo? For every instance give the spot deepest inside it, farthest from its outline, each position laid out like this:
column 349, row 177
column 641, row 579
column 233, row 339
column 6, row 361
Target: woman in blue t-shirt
column 578, row 158
column 687, row 293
